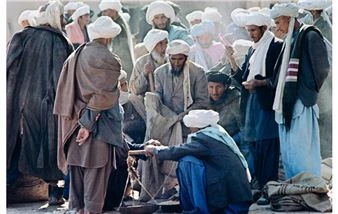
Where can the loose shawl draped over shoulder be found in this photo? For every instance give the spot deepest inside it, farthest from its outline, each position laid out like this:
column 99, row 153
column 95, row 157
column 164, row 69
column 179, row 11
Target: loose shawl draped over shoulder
column 89, row 80
column 35, row 57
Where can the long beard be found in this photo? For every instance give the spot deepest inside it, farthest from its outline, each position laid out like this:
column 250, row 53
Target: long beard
column 159, row 58
column 177, row 71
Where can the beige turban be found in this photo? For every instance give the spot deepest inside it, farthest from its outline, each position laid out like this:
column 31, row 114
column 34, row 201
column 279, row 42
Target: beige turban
column 284, row 9
column 153, row 37
column 211, row 14
column 178, row 47
column 201, row 118
column 159, row 7
column 80, row 12
column 29, row 15
column 314, row 4
column 197, row 14
column 103, row 27
column 110, row 4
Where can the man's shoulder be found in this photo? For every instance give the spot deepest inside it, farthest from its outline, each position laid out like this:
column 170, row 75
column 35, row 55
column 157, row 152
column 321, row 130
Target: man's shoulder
column 162, row 69
column 143, row 59
column 196, row 68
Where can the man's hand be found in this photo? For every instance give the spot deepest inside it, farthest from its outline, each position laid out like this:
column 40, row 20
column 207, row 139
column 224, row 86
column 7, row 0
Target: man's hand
column 149, row 150
column 82, row 136
column 148, row 68
column 253, row 83
column 153, row 142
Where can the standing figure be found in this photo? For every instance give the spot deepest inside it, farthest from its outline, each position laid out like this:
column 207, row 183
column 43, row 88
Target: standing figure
column 89, row 117
column 34, row 61
column 303, row 69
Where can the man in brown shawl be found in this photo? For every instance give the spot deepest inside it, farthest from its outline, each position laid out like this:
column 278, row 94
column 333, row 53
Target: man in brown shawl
column 34, row 61
column 89, row 117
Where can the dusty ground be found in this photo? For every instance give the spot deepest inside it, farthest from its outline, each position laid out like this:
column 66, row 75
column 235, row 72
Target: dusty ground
column 42, row 208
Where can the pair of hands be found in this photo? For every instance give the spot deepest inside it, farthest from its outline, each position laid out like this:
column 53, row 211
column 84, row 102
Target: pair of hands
column 150, row 146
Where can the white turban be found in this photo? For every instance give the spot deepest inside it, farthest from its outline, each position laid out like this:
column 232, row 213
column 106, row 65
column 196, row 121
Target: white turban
column 80, row 12
column 70, row 6
column 284, row 9
column 50, row 14
column 153, row 37
column 126, row 17
column 29, row 15
column 110, row 4
column 159, row 7
column 103, row 27
column 197, row 14
column 237, row 16
column 211, row 14
column 202, row 28
column 241, row 47
column 123, row 75
column 201, row 118
column 258, row 18
column 314, row 4
column 178, row 47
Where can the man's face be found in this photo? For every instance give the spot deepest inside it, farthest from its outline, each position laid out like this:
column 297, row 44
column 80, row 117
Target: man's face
column 282, row 25
column 111, row 13
column 216, row 90
column 177, row 63
column 255, row 32
column 84, row 19
column 161, row 46
column 161, row 21
column 205, row 40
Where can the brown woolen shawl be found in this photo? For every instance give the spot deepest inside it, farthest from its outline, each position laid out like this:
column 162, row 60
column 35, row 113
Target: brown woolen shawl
column 88, row 79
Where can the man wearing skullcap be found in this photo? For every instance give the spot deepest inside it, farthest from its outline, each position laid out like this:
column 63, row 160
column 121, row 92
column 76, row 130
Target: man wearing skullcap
column 27, row 18
column 142, row 77
column 122, row 43
column 206, row 51
column 77, row 30
column 212, row 173
column 195, row 17
column 89, row 115
column 303, row 69
column 35, row 57
column 257, row 76
column 161, row 15
column 225, row 99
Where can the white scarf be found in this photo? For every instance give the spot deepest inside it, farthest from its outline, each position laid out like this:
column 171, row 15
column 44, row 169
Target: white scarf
column 186, row 85
column 277, row 104
column 258, row 58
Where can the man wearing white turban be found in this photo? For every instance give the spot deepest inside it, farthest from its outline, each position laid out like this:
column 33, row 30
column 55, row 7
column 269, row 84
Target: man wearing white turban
column 195, row 17
column 206, row 51
column 27, row 18
column 303, row 69
column 211, row 14
column 142, row 77
column 160, row 15
column 180, row 86
column 77, row 30
column 89, row 117
column 122, row 43
column 207, row 184
column 257, row 76
column 35, row 57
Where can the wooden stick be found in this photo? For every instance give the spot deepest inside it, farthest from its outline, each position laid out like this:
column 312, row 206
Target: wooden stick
column 136, row 152
column 151, row 82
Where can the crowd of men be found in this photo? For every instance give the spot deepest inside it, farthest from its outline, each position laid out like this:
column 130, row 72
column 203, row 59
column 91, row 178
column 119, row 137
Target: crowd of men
column 226, row 102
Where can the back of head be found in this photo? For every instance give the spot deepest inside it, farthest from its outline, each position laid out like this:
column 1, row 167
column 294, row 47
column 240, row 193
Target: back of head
column 103, row 27
column 201, row 118
column 50, row 14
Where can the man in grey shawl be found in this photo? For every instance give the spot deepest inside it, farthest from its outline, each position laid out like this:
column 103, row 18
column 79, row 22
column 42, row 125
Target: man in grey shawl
column 180, row 86
column 89, row 117
column 34, row 61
